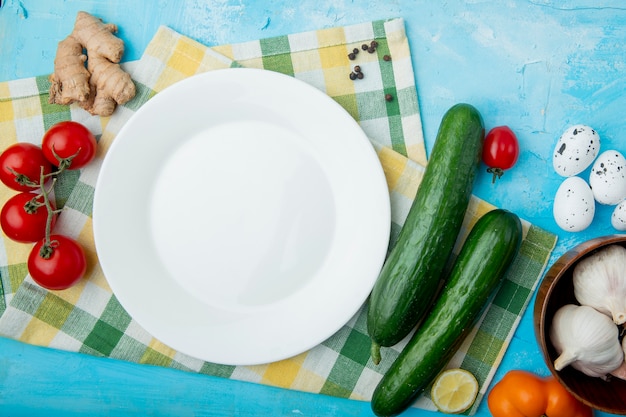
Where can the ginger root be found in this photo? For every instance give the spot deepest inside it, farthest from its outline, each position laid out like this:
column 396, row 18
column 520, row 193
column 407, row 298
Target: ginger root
column 102, row 84
column 72, row 82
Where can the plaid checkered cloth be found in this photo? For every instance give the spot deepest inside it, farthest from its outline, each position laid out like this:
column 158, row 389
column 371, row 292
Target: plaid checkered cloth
column 87, row 318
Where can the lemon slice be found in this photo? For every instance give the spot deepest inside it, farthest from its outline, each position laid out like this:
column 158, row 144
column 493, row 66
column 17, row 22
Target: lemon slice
column 454, row 391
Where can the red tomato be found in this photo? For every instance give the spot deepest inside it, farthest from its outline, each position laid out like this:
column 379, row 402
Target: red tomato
column 59, row 265
column 24, row 216
column 69, row 145
column 500, row 150
column 21, row 163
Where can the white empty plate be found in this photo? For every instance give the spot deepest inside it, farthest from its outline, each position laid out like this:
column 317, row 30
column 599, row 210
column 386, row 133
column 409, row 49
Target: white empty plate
column 241, row 216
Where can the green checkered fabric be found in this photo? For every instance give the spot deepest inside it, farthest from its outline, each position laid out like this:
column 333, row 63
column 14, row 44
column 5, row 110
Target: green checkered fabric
column 88, row 318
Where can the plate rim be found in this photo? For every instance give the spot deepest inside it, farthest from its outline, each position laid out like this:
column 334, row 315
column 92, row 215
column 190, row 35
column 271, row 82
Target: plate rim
column 381, row 188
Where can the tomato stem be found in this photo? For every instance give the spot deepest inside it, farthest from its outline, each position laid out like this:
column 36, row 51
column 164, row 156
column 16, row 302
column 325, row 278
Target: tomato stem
column 497, row 173
column 23, row 179
column 48, row 247
column 34, row 204
column 64, row 163
column 375, row 353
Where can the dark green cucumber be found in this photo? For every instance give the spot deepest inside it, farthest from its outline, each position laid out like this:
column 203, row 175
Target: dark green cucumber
column 489, row 249
column 412, row 272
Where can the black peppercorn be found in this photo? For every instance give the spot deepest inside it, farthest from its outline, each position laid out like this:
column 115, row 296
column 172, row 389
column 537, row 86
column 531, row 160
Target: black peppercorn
column 371, row 49
column 359, row 75
column 357, row 68
column 355, row 51
column 388, row 97
column 351, row 56
column 353, row 76
column 374, row 44
column 364, row 47
column 387, row 58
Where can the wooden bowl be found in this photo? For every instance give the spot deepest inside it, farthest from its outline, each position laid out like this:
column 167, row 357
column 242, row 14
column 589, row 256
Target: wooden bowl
column 556, row 290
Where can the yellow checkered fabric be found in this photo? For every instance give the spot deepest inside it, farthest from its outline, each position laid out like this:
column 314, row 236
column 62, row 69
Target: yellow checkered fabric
column 88, row 318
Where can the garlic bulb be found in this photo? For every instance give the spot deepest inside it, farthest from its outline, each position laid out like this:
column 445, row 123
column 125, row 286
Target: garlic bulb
column 587, row 340
column 600, row 282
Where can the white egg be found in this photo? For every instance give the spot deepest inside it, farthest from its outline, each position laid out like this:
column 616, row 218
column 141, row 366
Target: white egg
column 608, row 178
column 618, row 218
column 575, row 150
column 574, row 206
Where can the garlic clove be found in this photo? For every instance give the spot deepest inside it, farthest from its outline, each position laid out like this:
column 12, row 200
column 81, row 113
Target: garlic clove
column 600, row 282
column 620, row 372
column 566, row 358
column 587, row 340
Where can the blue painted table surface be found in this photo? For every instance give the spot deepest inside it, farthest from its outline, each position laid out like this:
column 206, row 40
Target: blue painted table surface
column 538, row 66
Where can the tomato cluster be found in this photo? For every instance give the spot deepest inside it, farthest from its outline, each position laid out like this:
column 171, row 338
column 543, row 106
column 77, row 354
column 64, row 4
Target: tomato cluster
column 55, row 262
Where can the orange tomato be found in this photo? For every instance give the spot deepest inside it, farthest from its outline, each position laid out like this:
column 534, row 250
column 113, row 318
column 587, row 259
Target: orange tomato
column 524, row 394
